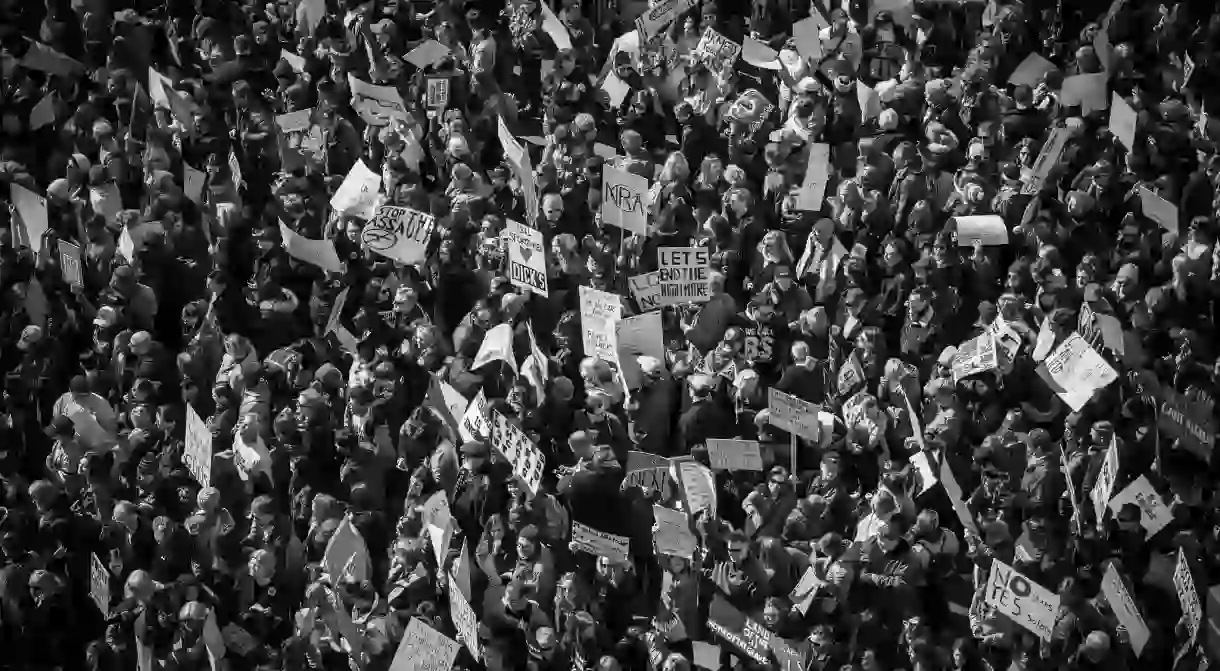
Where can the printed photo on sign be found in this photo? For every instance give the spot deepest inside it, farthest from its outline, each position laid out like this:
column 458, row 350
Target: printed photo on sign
column 399, row 233
column 684, row 275
column 438, row 92
column 526, row 257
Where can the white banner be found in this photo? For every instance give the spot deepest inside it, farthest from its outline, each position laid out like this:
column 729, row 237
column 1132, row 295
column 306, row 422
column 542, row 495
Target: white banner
column 1024, row 601
column 600, row 543
column 399, row 233
column 526, row 257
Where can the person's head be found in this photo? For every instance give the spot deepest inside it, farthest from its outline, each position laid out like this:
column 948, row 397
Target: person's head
column 738, row 544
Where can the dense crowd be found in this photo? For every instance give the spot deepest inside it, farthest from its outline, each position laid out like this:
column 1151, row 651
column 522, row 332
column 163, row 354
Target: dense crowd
column 396, row 336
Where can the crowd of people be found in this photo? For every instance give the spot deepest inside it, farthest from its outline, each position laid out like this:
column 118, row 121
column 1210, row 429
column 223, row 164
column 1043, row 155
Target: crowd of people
column 394, row 336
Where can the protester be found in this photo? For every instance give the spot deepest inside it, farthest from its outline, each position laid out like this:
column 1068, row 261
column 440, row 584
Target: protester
column 506, row 336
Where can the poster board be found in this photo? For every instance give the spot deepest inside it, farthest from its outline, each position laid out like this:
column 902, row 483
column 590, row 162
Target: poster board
column 977, row 355
column 684, row 275
column 1154, row 512
column 600, row 311
column 438, row 93
column 624, row 195
column 1024, row 601
column 794, row 415
column 646, row 470
column 1103, row 488
column 1119, row 597
column 526, row 257
column 817, row 175
column 473, row 425
column 399, row 233
column 464, row 618
column 734, row 455
column 655, row 19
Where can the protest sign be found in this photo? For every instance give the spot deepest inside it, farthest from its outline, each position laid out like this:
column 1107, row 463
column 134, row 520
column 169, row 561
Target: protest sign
column 806, row 589
column 743, row 633
column 1190, row 422
column 346, row 553
column 954, row 490
column 851, row 374
column 1007, row 342
column 320, row 253
column 99, row 584
column 1024, row 601
column 438, row 520
column 1031, row 71
column 719, row 52
column 671, row 533
column 734, row 455
column 1103, row 488
column 526, row 257
column 376, row 105
column 464, row 618
column 1123, row 121
column 294, row 122
column 192, row 183
column 1156, row 208
column 599, row 312
column 474, row 424
column 649, row 471
column 69, row 264
column 817, row 176
column 706, row 656
column 1088, row 91
column 616, row 90
column 869, row 100
column 684, row 275
column 654, row 20
column 805, row 32
column 297, row 63
column 641, row 335
column 497, row 346
column 988, row 229
column 1154, row 513
column 794, row 415
column 749, row 112
column 646, row 289
column 1076, row 371
column 977, row 355
column 1188, row 594
column 697, row 482
column 509, row 440
column 554, row 28
column 32, row 210
column 926, row 473
column 428, row 53
column 399, row 233
column 358, row 193
column 1048, row 157
column 600, row 543
column 1115, row 588
column 197, row 453
column 424, row 649
column 623, row 198
column 237, row 640
column 438, row 93
column 519, row 160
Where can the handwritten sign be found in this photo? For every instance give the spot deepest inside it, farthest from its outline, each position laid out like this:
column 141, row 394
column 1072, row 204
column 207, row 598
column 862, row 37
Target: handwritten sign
column 624, row 197
column 358, row 193
column 69, row 264
column 734, row 455
column 646, row 470
column 399, row 233
column 376, row 105
column 719, row 52
column 599, row 543
column 1115, row 588
column 1103, row 489
column 197, row 454
column 526, row 257
column 698, row 484
column 527, row 460
column 654, row 20
column 1188, row 594
column 464, row 619
column 438, row 93
column 99, row 584
column 1075, row 371
column 1188, row 421
column 671, row 534
column 599, row 311
column 474, row 421
column 684, row 275
column 1024, row 601
column 1154, row 513
column 738, row 630
column 424, row 649
column 792, row 414
column 646, row 289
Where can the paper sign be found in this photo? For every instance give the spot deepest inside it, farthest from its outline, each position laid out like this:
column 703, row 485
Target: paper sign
column 1188, row 594
column 869, row 99
column 1075, row 370
column 671, row 533
column 807, row 588
column 734, row 455
column 69, row 263
column 927, row 474
column 1048, row 157
column 1024, row 601
column 743, row 633
column 654, row 20
column 684, row 275
column 438, row 520
column 497, row 346
column 817, row 175
column 428, row 53
column 1123, row 121
column 697, row 482
column 526, row 257
column 99, row 584
column 376, row 105
column 320, row 253
column 986, row 228
column 707, row 656
column 1188, row 421
column 474, row 424
column 806, row 32
column 399, row 233
column 1115, row 589
column 977, row 355
column 954, row 490
column 1154, row 514
column 358, row 193
column 646, row 470
column 197, row 454
column 293, row 122
column 464, row 618
column 641, row 335
column 1103, row 488
column 424, row 649
column 554, row 28
column 646, row 289
column 438, row 92
column 759, row 55
column 599, row 311
column 1031, row 71
column 1159, row 210
column 615, row 89
column 623, row 200
column 519, row 160
column 527, row 460
column 32, row 209
column 792, row 414
column 718, row 51
column 346, row 553
column 1087, row 91
column 192, row 183
column 600, row 543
